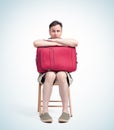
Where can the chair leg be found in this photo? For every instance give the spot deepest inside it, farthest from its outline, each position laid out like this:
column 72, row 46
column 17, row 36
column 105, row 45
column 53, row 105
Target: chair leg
column 70, row 105
column 39, row 98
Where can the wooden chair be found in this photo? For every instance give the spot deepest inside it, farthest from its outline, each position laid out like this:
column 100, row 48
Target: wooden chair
column 53, row 105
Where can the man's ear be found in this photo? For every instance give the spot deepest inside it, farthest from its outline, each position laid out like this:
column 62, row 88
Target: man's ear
column 49, row 32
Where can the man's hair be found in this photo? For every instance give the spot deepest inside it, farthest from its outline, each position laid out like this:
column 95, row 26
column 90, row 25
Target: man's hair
column 54, row 23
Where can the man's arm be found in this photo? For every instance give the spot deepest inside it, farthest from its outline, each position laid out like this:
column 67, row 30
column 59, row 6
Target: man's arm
column 39, row 43
column 65, row 42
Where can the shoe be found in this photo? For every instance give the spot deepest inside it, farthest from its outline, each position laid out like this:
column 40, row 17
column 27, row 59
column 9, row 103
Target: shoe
column 64, row 118
column 46, row 118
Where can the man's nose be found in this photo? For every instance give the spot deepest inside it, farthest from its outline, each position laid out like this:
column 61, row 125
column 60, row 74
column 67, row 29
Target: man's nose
column 56, row 32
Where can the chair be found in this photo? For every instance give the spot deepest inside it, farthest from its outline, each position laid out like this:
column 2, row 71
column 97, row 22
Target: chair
column 54, row 105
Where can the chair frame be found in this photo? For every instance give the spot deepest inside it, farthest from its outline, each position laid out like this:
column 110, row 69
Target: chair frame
column 40, row 100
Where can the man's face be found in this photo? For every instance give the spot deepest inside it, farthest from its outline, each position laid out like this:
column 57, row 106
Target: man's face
column 55, row 31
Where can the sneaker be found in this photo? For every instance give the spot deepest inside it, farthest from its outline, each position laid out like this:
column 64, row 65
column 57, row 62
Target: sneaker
column 46, row 118
column 64, row 118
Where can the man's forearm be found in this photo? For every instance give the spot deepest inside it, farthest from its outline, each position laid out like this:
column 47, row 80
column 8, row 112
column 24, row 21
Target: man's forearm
column 39, row 43
column 65, row 42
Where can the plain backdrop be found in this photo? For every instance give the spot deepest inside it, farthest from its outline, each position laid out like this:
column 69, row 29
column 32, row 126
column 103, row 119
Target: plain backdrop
column 88, row 21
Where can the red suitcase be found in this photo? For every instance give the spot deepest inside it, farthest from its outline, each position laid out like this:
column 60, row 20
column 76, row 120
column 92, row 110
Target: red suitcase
column 56, row 58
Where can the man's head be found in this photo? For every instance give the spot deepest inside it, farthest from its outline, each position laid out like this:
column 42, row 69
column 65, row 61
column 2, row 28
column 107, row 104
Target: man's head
column 55, row 29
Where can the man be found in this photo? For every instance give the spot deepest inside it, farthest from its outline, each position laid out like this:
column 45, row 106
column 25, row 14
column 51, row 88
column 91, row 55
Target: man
column 47, row 79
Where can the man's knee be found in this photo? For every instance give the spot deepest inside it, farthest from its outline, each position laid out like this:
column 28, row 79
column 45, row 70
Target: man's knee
column 61, row 75
column 50, row 75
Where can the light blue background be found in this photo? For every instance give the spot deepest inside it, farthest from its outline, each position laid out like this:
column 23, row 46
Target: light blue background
column 88, row 21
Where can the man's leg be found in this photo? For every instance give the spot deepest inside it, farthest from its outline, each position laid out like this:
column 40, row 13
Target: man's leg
column 47, row 89
column 63, row 89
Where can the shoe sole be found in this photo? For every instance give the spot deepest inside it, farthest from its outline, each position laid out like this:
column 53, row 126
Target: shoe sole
column 62, row 121
column 47, row 121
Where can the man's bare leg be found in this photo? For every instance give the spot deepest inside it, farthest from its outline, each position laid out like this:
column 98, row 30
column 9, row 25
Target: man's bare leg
column 47, row 89
column 63, row 89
